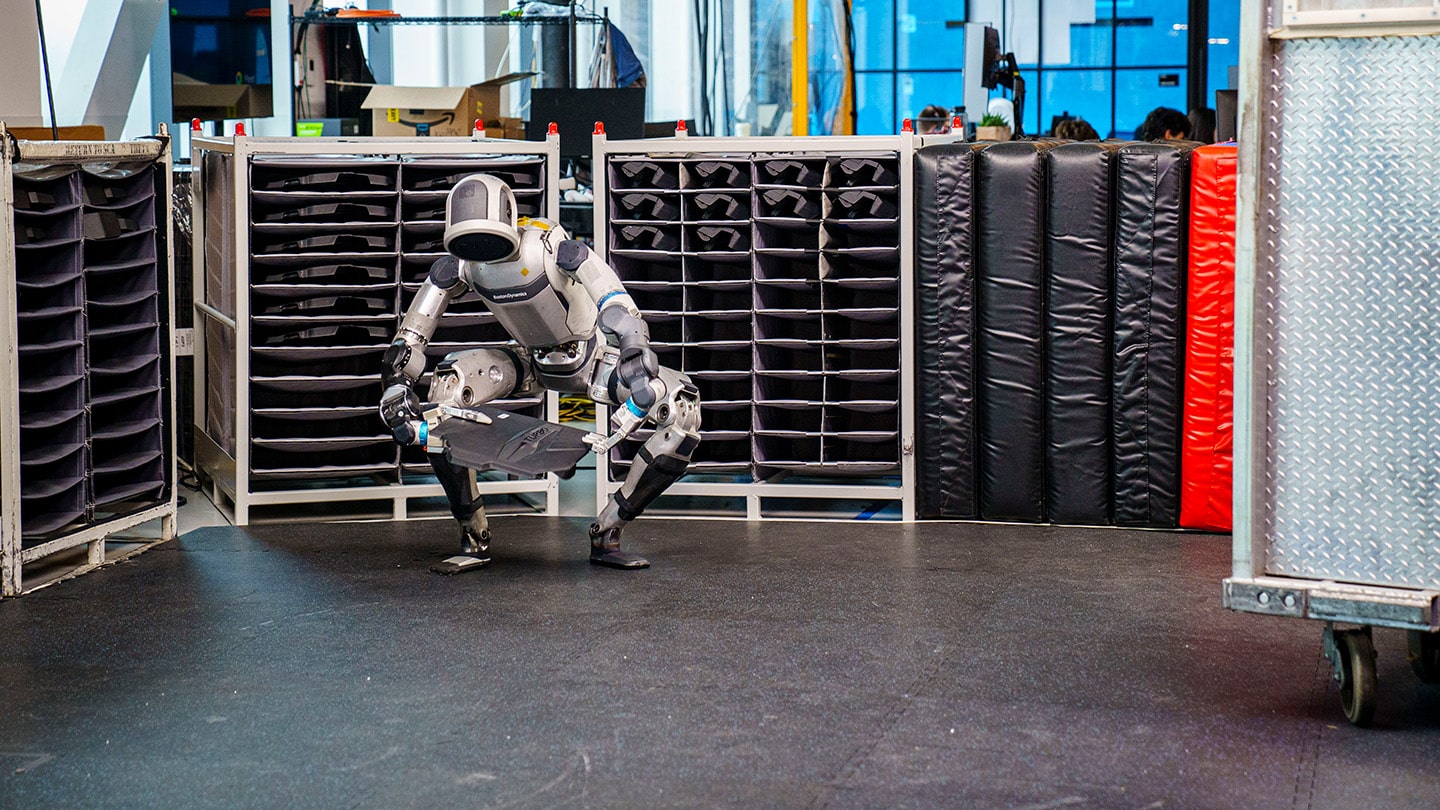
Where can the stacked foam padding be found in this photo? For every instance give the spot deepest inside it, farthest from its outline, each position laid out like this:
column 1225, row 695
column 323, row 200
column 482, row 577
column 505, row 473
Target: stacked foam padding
column 1010, row 329
column 945, row 441
column 1048, row 341
column 1205, row 454
column 1078, row 332
column 1151, row 196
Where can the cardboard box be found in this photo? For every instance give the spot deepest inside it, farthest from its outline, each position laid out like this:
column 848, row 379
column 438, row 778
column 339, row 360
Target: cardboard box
column 512, row 128
column 213, row 102
column 436, row 111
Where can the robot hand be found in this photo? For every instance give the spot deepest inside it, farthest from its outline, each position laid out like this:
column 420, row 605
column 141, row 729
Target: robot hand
column 400, row 409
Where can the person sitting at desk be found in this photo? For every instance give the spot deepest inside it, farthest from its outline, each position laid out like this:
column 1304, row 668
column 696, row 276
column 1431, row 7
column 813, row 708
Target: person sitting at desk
column 933, row 120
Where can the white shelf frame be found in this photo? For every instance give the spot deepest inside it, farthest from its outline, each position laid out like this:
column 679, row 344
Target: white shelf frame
column 229, row 476
column 754, row 493
column 13, row 556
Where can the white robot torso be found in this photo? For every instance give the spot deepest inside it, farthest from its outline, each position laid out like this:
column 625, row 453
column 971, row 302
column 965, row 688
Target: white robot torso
column 540, row 305
column 546, row 310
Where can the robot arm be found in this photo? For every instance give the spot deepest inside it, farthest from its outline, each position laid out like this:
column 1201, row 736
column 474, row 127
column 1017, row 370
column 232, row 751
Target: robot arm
column 619, row 321
column 404, row 361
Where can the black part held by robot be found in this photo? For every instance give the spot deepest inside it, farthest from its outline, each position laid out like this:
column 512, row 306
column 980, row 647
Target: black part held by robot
column 571, row 254
column 512, row 442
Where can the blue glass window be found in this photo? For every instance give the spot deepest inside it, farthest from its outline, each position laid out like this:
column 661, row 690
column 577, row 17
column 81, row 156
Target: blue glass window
column 1223, row 51
column 916, row 91
column 931, row 34
column 1151, row 33
column 874, row 22
column 1090, row 45
column 1110, row 67
column 1139, row 91
column 1078, row 94
column 875, row 104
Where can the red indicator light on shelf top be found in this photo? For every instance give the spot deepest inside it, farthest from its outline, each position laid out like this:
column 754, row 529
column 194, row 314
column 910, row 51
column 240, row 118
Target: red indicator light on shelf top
column 195, row 125
column 599, row 127
column 240, row 129
column 680, row 126
column 479, row 128
column 907, row 125
column 554, row 128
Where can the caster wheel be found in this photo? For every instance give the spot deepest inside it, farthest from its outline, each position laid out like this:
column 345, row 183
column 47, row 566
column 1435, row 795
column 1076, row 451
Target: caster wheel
column 1357, row 676
column 1423, row 650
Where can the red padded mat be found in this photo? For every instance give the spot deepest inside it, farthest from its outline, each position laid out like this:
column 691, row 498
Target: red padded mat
column 1205, row 445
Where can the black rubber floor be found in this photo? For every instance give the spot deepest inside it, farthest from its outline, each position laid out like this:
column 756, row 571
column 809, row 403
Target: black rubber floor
column 755, row 665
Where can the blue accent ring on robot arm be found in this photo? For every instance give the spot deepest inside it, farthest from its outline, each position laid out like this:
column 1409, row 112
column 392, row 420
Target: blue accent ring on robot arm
column 635, row 409
column 608, row 296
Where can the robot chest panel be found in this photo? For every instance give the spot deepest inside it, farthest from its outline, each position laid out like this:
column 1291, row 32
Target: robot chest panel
column 525, row 300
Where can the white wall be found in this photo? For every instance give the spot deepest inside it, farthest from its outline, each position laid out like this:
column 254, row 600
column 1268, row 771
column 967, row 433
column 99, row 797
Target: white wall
column 21, row 91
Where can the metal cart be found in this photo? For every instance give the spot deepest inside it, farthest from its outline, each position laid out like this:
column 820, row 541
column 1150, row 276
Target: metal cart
column 87, row 433
column 1337, row 368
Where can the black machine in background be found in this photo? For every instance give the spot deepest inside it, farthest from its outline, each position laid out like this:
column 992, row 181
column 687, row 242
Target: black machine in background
column 575, row 112
column 345, row 62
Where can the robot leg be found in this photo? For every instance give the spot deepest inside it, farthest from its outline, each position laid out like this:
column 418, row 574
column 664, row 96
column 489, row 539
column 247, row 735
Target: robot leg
column 465, row 505
column 465, row 379
column 659, row 463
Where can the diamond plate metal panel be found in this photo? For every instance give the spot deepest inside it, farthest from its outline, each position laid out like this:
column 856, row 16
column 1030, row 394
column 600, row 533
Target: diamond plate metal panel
column 1353, row 468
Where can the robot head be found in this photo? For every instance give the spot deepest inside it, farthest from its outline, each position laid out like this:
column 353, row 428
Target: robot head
column 480, row 219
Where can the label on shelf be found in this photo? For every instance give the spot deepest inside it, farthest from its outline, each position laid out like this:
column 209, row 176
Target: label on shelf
column 184, row 342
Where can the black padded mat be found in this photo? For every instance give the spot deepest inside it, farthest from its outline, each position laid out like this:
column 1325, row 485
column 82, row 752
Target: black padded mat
column 1010, row 338
column 754, row 665
column 1078, row 333
column 1151, row 193
column 945, row 323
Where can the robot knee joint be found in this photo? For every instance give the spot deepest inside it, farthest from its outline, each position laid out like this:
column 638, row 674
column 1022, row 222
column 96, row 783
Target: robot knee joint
column 680, row 411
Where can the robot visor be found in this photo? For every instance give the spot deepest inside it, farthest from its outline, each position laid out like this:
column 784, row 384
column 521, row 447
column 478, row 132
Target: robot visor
column 481, row 241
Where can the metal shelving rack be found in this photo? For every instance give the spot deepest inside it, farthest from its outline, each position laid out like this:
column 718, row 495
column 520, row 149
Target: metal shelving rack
column 778, row 273
column 87, row 433
column 308, row 252
column 1336, row 335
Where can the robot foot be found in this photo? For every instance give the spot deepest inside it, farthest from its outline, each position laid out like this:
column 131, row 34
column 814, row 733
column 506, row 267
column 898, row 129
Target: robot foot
column 476, row 554
column 605, row 550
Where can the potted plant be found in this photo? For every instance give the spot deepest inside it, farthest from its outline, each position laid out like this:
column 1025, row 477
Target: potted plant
column 992, row 128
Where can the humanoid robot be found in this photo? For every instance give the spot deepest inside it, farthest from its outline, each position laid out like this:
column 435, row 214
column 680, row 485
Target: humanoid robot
column 575, row 330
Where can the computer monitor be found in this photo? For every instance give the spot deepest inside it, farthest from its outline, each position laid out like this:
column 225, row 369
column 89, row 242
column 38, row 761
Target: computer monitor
column 990, row 59
column 576, row 111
